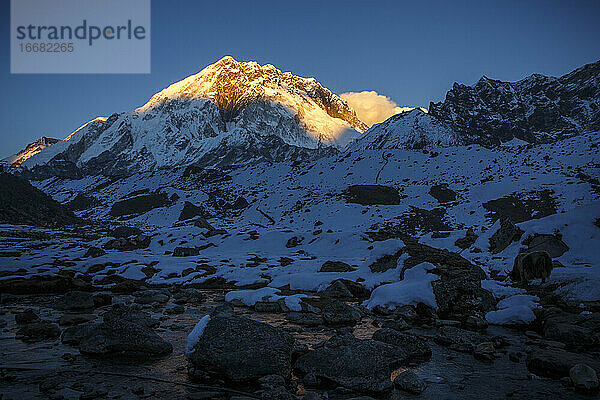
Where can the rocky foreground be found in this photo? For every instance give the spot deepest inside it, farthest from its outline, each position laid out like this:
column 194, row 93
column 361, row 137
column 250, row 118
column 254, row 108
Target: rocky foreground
column 63, row 337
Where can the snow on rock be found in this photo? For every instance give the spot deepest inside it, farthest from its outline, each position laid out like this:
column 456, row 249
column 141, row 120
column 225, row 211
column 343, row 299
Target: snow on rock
column 514, row 310
column 415, row 288
column 195, row 334
column 268, row 294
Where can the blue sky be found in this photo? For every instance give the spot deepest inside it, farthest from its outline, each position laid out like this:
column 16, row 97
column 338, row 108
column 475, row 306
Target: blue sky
column 407, row 50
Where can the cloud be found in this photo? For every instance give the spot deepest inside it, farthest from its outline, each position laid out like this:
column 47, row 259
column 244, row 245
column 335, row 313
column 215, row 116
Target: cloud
column 372, row 107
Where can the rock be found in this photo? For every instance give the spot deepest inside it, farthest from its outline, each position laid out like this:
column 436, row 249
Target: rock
column 185, row 251
column 484, row 351
column 272, row 381
column 152, row 297
column 240, row 349
column 476, row 322
column 409, row 382
column 190, row 211
column 127, row 286
column 125, row 232
column 118, row 312
column 175, row 310
column 361, row 365
column 101, row 300
column 504, row 236
column 568, row 333
column 267, row 307
column 336, row 290
column 336, row 266
column 306, row 319
column 75, row 301
column 385, row 262
column 42, row 284
column 123, row 333
column 395, row 324
column 372, row 194
column 74, row 334
column 458, row 339
column 239, row 204
column 415, row 348
column 467, row 241
column 551, row 244
column 75, row 319
column 139, row 204
column 442, row 193
column 556, row 363
column 26, row 317
column 293, row 242
column 188, row 296
column 36, row 331
column 584, row 377
column 462, row 296
column 338, row 313
column 128, row 244
column 93, row 252
column 82, row 202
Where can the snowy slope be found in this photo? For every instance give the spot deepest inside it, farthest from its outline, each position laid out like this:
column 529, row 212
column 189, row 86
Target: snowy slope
column 307, row 201
column 413, row 129
column 29, row 151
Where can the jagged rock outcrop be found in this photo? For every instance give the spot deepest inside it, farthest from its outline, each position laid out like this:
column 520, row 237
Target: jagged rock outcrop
column 535, row 109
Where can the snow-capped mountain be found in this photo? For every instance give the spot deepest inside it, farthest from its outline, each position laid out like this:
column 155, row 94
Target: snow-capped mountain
column 230, row 112
column 30, row 150
column 413, row 129
column 535, row 109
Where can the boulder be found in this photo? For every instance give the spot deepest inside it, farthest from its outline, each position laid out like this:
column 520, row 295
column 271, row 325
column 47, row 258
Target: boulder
column 584, row 377
column 243, row 350
column 128, row 244
column 363, row 365
column 190, row 211
column 338, row 313
column 125, row 232
column 442, row 193
column 152, row 297
column 467, row 241
column 75, row 301
column 336, row 266
column 557, row 363
column 305, row 318
column 559, row 330
column 26, row 317
column 504, row 236
column 458, row 339
column 138, row 205
column 185, row 251
column 408, row 381
column 372, row 194
column 40, row 330
column 551, row 244
column 41, row 284
column 416, row 349
column 123, row 333
column 188, row 296
column 93, row 252
column 336, row 290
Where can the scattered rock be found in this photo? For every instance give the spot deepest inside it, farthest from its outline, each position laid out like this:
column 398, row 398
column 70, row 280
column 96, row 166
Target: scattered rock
column 128, row 244
column 409, row 382
column 484, row 351
column 188, row 296
column 241, row 349
column 41, row 284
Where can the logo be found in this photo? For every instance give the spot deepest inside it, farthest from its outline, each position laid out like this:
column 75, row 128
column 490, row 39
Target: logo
column 80, row 36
